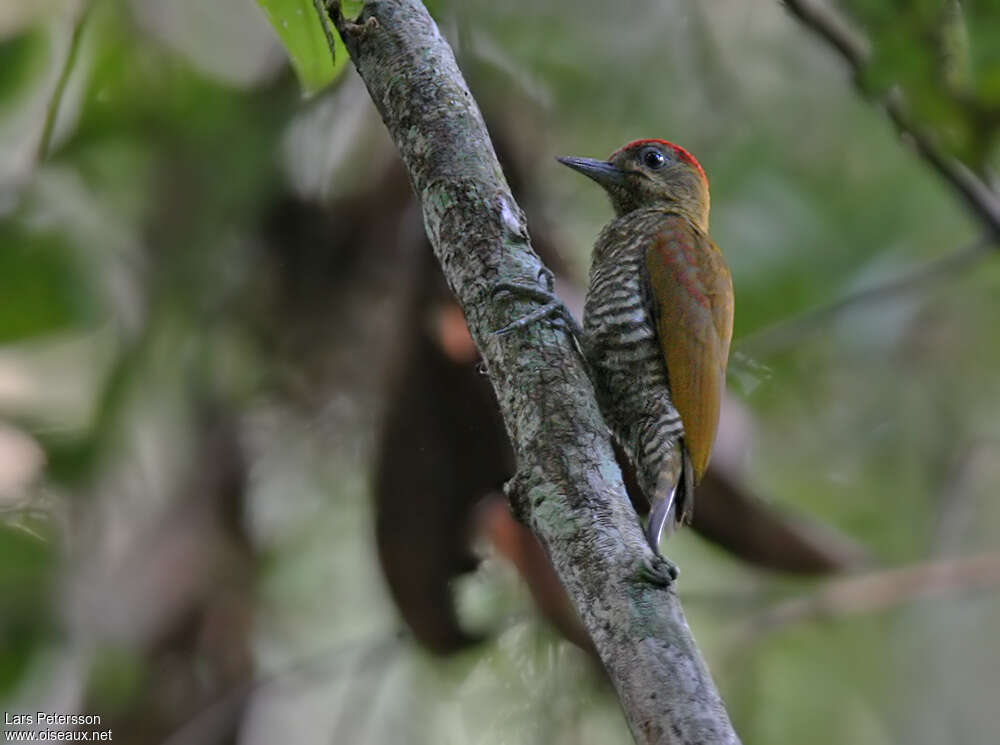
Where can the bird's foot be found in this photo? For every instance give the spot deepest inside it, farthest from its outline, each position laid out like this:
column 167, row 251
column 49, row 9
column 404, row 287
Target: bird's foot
column 553, row 306
column 659, row 571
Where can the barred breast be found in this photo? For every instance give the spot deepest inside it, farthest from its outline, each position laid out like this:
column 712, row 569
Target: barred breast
column 624, row 354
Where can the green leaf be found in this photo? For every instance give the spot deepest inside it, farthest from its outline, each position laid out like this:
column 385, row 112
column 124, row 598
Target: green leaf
column 117, row 678
column 27, row 573
column 301, row 30
column 22, row 59
column 39, row 284
column 352, row 8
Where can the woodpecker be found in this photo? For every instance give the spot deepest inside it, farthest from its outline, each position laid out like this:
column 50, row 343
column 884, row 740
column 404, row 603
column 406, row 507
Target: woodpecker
column 658, row 321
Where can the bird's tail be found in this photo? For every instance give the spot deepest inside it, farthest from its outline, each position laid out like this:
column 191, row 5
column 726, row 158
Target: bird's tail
column 671, row 504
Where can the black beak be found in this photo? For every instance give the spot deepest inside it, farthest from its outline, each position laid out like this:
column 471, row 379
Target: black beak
column 600, row 171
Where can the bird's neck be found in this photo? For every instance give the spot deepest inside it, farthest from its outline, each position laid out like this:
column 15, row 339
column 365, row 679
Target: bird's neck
column 695, row 214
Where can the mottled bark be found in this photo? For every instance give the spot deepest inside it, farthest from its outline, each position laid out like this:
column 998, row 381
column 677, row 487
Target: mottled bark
column 569, row 487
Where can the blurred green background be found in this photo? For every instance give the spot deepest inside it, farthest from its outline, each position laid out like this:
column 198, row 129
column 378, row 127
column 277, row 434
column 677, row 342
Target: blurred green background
column 201, row 289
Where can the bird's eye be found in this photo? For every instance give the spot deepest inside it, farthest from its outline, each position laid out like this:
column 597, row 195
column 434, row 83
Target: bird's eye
column 653, row 158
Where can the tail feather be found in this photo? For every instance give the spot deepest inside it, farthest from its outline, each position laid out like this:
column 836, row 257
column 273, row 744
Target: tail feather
column 674, row 507
column 685, row 501
column 661, row 515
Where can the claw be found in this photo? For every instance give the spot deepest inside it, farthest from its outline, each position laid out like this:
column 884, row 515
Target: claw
column 550, row 278
column 553, row 306
column 536, row 315
column 659, row 571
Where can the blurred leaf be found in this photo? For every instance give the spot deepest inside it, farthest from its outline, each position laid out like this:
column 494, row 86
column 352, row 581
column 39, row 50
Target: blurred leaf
column 302, row 34
column 116, row 677
column 954, row 43
column 21, row 59
column 38, row 283
column 25, row 560
column 352, row 8
column 26, row 573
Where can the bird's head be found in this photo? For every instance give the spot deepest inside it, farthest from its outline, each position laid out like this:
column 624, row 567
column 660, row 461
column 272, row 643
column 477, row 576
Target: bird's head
column 648, row 173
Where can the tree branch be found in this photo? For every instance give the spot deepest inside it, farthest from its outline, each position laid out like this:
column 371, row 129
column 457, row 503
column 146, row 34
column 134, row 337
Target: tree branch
column 569, row 488
column 982, row 201
column 876, row 591
column 824, row 20
column 786, row 333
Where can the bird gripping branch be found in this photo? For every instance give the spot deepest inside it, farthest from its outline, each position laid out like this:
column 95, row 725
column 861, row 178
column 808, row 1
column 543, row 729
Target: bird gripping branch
column 658, row 321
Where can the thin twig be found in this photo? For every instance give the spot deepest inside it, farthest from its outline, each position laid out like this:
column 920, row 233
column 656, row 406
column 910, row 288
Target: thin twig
column 876, row 591
column 980, row 199
column 324, row 20
column 825, row 21
column 783, row 334
column 52, row 112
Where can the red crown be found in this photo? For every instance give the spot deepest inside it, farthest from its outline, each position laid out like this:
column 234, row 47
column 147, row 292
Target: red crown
column 681, row 152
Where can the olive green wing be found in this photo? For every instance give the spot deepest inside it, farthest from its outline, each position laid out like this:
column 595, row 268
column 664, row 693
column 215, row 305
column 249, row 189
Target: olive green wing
column 690, row 293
